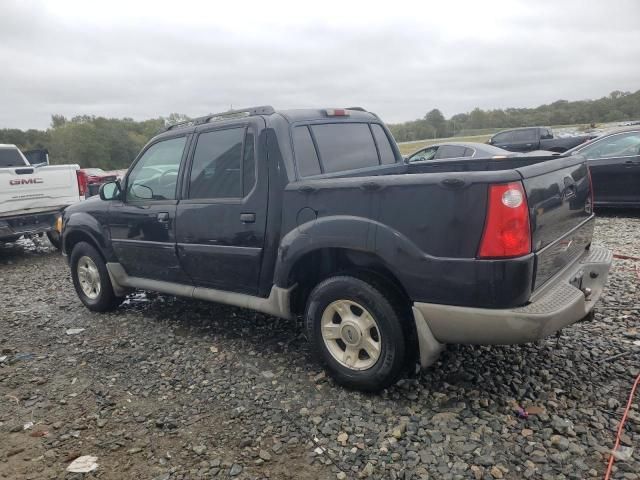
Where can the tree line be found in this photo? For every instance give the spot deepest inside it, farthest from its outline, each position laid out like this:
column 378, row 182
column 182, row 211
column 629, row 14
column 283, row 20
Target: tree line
column 617, row 106
column 112, row 143
column 90, row 141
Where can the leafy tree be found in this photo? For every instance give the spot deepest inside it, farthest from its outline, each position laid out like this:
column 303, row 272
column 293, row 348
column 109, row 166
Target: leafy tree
column 617, row 106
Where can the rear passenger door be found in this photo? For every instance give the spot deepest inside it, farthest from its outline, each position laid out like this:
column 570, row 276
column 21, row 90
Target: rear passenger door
column 221, row 218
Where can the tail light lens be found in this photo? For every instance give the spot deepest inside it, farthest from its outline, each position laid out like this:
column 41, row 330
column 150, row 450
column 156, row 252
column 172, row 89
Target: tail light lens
column 82, row 182
column 507, row 232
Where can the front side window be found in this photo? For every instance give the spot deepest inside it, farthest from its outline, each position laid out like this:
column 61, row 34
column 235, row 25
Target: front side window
column 622, row 145
column 345, row 146
column 502, row 137
column 155, row 175
column 216, row 171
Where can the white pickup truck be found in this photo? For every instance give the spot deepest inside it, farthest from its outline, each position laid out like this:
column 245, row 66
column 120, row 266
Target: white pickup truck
column 32, row 197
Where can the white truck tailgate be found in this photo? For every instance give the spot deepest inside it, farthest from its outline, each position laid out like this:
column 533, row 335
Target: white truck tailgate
column 37, row 188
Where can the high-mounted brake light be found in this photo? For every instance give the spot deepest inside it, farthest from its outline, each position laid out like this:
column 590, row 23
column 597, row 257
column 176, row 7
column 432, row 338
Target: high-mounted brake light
column 506, row 230
column 83, row 183
column 336, row 112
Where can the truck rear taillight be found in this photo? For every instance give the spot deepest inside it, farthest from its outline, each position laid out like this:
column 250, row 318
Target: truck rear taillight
column 506, row 230
column 82, row 182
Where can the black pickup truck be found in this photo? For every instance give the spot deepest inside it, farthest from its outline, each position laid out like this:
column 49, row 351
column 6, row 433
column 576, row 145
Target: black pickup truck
column 314, row 213
column 529, row 139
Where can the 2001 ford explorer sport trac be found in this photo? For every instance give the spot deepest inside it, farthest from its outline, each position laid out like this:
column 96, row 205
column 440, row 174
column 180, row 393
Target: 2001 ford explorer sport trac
column 314, row 213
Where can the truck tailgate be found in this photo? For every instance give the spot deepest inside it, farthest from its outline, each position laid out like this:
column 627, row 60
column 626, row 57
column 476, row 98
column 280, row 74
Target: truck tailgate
column 560, row 205
column 27, row 188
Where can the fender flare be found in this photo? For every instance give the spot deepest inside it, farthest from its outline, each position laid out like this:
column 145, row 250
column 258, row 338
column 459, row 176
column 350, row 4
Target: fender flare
column 86, row 224
column 345, row 232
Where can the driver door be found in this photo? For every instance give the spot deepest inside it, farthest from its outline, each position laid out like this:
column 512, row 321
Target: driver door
column 142, row 225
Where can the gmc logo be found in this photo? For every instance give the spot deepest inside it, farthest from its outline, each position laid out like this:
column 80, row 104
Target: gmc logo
column 25, row 181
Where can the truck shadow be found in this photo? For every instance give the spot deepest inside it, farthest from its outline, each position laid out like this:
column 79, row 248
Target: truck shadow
column 25, row 248
column 618, row 212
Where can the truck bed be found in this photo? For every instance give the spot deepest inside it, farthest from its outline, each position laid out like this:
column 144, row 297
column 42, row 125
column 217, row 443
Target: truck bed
column 429, row 223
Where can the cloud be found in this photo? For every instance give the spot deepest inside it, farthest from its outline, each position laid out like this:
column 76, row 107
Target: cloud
column 146, row 59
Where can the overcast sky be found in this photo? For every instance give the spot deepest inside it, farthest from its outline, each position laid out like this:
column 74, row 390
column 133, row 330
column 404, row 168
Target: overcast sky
column 142, row 59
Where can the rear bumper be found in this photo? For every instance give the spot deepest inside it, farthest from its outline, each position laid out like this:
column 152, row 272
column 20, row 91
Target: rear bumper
column 557, row 304
column 28, row 224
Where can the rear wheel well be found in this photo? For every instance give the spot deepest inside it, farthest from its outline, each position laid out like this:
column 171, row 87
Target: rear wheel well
column 316, row 266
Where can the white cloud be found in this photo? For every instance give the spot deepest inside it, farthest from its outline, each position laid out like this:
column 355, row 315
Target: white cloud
column 400, row 59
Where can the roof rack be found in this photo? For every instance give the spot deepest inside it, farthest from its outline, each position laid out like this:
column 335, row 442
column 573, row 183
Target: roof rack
column 243, row 112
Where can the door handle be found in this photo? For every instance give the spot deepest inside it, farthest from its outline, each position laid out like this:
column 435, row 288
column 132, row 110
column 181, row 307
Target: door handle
column 163, row 217
column 247, row 217
column 306, row 189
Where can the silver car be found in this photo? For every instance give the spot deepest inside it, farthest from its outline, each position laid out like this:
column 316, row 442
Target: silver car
column 451, row 150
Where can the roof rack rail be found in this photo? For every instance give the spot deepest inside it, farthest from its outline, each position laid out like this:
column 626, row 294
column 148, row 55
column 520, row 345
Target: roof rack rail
column 359, row 109
column 243, row 112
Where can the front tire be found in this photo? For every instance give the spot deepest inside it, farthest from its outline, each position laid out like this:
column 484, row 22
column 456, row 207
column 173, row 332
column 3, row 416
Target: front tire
column 357, row 333
column 91, row 279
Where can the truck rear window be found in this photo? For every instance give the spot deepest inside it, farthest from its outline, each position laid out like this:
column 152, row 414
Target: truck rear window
column 345, row 146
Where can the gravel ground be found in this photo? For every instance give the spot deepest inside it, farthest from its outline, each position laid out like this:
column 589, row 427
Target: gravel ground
column 166, row 388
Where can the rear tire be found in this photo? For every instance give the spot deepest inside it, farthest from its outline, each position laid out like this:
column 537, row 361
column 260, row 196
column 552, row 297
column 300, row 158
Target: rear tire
column 54, row 238
column 357, row 333
column 91, row 279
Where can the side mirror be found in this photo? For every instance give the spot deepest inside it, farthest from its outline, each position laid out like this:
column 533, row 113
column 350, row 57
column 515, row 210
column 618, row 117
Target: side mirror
column 110, row 191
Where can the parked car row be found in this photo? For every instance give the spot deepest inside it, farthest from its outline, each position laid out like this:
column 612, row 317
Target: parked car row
column 314, row 213
column 528, row 139
column 32, row 197
column 34, row 193
column 613, row 159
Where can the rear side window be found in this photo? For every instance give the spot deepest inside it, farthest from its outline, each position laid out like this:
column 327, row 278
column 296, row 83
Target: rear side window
column 248, row 164
column 216, row 169
column 384, row 147
column 9, row 157
column 469, row 152
column 450, row 151
column 345, row 146
column 306, row 156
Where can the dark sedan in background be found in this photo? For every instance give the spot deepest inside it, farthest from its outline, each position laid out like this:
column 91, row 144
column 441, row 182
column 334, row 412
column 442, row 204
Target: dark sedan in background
column 614, row 161
column 528, row 139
